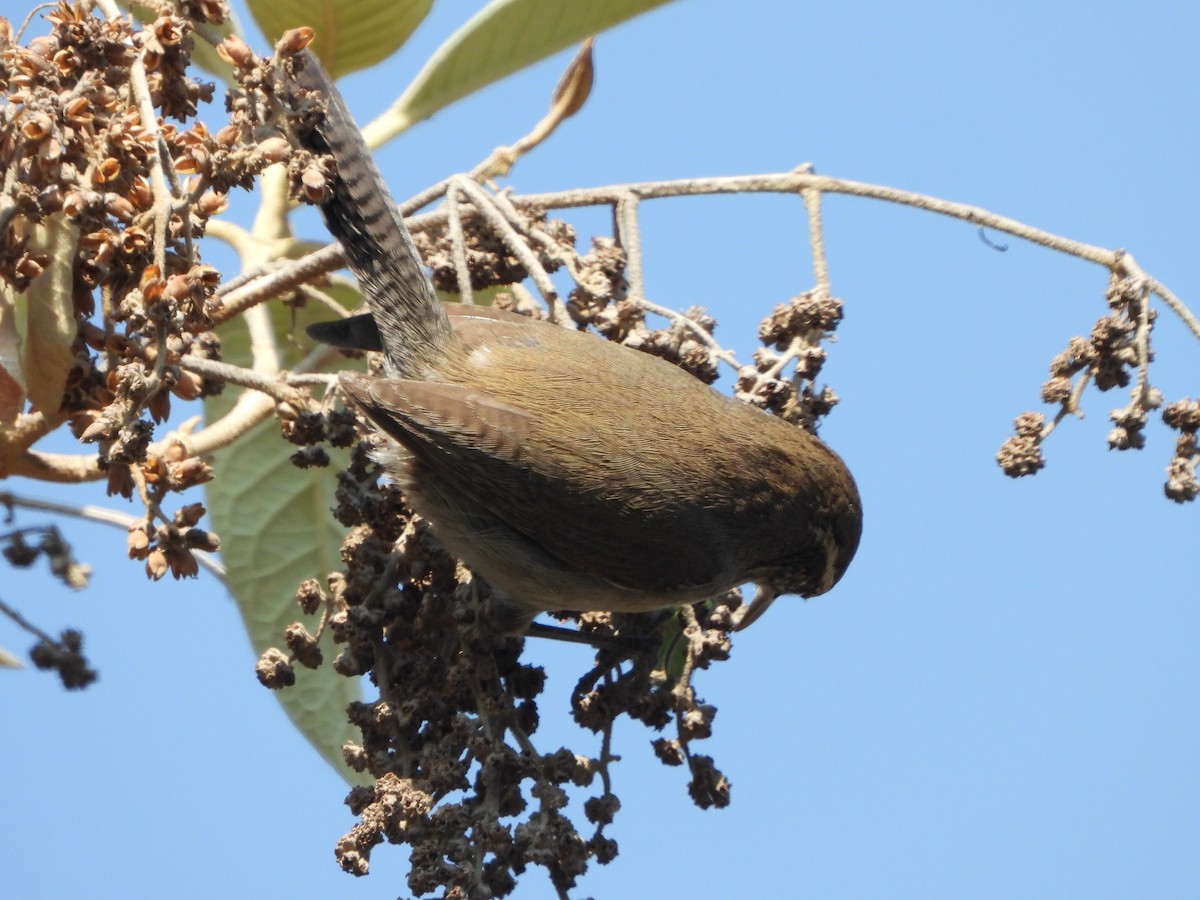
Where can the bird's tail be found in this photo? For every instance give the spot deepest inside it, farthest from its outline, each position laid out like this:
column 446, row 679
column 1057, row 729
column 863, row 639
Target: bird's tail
column 361, row 215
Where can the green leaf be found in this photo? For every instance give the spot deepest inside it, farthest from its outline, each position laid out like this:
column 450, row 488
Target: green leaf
column 12, row 378
column 47, row 352
column 672, row 649
column 503, row 37
column 276, row 530
column 350, row 34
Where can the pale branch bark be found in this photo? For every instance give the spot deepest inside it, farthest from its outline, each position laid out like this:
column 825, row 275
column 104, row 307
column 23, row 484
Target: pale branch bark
column 800, row 182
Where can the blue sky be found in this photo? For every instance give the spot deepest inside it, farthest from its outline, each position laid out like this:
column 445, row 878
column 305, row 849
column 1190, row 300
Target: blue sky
column 999, row 698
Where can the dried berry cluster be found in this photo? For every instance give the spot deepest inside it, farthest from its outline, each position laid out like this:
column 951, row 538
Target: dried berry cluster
column 118, row 200
column 1115, row 354
column 1184, row 417
column 490, row 261
column 1021, row 454
column 657, row 689
column 20, row 552
column 601, row 298
column 797, row 329
column 680, row 343
column 601, row 291
column 64, row 656
column 449, row 739
column 309, row 429
column 82, row 165
column 168, row 546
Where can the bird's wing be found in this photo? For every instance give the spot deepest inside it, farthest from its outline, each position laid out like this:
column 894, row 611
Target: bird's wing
column 422, row 414
column 476, row 442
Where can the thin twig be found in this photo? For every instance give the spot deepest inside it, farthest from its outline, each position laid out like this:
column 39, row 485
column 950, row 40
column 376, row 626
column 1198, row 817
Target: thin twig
column 726, row 356
column 458, row 246
column 1142, row 343
column 1128, row 266
column 625, row 214
column 1071, row 405
column 24, row 623
column 282, row 280
column 794, row 348
column 1176, row 305
column 495, row 217
column 278, row 387
column 163, row 195
column 104, row 516
column 796, row 182
column 779, row 183
column 29, row 18
column 88, row 512
column 816, row 237
column 243, row 278
column 318, row 296
column 569, row 259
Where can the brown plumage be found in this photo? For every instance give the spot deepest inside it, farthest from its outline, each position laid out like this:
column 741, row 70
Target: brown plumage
column 568, row 471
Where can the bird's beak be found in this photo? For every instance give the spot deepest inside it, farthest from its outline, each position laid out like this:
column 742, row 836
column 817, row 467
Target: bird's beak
column 764, row 596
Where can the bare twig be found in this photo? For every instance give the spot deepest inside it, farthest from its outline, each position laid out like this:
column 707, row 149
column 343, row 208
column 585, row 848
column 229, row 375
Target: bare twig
column 102, row 515
column 458, row 247
column 726, row 356
column 278, row 387
column 506, row 228
column 797, row 182
column 816, row 235
column 1070, row 406
column 625, row 214
column 161, row 168
column 25, row 624
column 282, row 279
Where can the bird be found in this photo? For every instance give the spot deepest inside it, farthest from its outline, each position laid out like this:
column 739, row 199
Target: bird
column 567, row 471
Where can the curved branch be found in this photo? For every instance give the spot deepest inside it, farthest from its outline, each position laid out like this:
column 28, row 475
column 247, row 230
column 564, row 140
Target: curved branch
column 796, row 182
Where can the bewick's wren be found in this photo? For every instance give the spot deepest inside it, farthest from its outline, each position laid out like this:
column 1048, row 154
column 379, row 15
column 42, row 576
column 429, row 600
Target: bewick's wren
column 568, row 471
